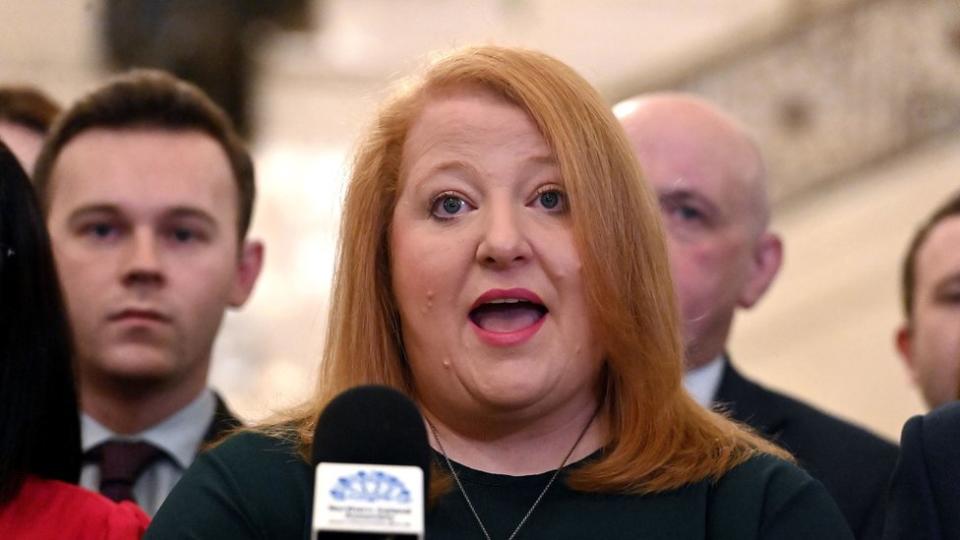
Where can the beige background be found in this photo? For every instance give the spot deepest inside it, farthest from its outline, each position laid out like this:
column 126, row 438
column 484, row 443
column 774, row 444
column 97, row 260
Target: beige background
column 825, row 330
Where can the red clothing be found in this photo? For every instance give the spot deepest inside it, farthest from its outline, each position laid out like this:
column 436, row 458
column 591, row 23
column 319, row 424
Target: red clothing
column 52, row 509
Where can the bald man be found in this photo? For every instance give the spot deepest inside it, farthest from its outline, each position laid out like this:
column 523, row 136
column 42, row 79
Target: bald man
column 710, row 179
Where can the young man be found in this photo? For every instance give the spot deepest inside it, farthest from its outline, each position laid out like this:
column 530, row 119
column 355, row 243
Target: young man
column 148, row 195
column 26, row 115
column 711, row 182
column 929, row 338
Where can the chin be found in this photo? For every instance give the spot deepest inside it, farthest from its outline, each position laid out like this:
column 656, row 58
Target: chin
column 509, row 395
column 138, row 366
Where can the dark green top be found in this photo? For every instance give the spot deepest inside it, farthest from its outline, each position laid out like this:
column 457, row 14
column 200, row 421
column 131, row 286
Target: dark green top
column 256, row 487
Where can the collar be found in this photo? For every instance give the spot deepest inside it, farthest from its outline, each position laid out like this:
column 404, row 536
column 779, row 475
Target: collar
column 702, row 382
column 179, row 435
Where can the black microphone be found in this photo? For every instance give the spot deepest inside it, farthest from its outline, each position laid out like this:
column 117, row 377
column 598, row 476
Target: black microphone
column 372, row 467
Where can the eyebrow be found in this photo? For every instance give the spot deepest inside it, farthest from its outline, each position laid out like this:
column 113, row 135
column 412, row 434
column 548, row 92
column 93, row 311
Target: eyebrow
column 187, row 212
column 177, row 212
column 84, row 211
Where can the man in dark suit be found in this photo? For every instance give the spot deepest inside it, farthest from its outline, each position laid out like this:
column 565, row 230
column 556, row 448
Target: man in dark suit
column 924, row 501
column 710, row 179
column 148, row 193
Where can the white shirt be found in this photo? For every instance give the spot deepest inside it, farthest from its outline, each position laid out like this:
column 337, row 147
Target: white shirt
column 703, row 382
column 180, row 436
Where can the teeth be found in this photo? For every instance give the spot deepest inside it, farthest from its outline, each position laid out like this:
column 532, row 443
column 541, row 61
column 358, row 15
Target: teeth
column 506, row 301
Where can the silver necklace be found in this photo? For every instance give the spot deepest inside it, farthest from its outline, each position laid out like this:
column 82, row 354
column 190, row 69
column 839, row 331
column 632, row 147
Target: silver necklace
column 543, row 492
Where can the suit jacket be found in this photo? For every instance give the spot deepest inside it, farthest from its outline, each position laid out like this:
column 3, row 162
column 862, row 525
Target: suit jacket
column 853, row 464
column 924, row 500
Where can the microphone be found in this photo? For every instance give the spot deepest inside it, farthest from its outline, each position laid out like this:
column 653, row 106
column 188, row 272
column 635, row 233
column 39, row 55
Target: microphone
column 372, row 467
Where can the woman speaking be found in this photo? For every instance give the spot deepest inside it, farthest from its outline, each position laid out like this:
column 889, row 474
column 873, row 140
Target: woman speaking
column 502, row 263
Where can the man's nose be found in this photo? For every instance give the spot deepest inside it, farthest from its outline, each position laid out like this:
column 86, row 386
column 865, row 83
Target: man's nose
column 143, row 265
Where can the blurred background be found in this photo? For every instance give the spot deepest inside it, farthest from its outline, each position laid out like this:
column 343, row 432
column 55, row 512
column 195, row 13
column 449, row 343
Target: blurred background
column 855, row 103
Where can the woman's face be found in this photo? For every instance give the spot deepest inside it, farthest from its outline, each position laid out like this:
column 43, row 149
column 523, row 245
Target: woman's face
column 484, row 267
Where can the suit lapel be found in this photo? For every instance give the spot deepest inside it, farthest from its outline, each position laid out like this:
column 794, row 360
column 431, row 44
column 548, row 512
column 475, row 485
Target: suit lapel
column 748, row 402
column 223, row 422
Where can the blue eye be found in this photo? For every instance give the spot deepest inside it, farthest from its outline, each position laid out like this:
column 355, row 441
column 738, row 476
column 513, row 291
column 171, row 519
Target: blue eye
column 552, row 199
column 452, row 205
column 447, row 206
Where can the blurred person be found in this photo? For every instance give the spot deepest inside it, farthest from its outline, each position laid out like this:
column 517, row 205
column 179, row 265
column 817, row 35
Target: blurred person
column 211, row 43
column 26, row 114
column 929, row 338
column 924, row 500
column 39, row 420
column 148, row 194
column 710, row 180
column 501, row 262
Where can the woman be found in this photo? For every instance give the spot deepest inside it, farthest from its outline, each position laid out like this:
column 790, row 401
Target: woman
column 39, row 421
column 502, row 263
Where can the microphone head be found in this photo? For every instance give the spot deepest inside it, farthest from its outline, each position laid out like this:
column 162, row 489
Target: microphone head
column 372, row 424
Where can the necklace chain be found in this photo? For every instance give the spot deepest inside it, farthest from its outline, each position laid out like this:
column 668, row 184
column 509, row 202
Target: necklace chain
column 543, row 492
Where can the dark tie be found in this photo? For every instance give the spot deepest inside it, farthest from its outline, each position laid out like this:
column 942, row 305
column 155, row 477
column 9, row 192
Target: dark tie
column 121, row 463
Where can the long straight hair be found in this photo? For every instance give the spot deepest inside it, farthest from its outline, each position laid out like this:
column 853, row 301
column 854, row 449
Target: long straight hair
column 39, row 421
column 659, row 438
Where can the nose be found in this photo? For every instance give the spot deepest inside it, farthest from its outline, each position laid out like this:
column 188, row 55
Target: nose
column 142, row 266
column 504, row 241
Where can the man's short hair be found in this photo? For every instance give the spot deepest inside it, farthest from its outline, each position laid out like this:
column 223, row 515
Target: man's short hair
column 951, row 208
column 150, row 99
column 28, row 107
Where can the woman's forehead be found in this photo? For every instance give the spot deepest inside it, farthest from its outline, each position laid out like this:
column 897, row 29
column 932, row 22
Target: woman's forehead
column 466, row 124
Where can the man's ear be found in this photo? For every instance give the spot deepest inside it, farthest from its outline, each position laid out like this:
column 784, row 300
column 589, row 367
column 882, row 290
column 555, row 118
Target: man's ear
column 248, row 269
column 765, row 263
column 904, row 342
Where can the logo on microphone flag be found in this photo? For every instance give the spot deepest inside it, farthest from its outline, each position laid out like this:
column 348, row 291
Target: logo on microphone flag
column 365, row 498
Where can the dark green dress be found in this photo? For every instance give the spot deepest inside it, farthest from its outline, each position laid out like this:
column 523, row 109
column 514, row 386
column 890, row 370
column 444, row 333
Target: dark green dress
column 256, row 487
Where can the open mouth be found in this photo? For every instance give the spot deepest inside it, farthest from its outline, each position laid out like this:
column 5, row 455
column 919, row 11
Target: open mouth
column 507, row 315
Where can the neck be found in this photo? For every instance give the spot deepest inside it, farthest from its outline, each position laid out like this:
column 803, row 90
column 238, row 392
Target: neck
column 522, row 448
column 701, row 353
column 128, row 412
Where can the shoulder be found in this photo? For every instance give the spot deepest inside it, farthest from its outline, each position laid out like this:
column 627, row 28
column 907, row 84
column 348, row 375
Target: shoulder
column 924, row 490
column 935, row 435
column 801, row 427
column 767, row 497
column 54, row 506
column 763, row 473
column 249, row 486
column 936, row 428
column 252, row 460
column 813, row 424
column 252, row 444
column 853, row 464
